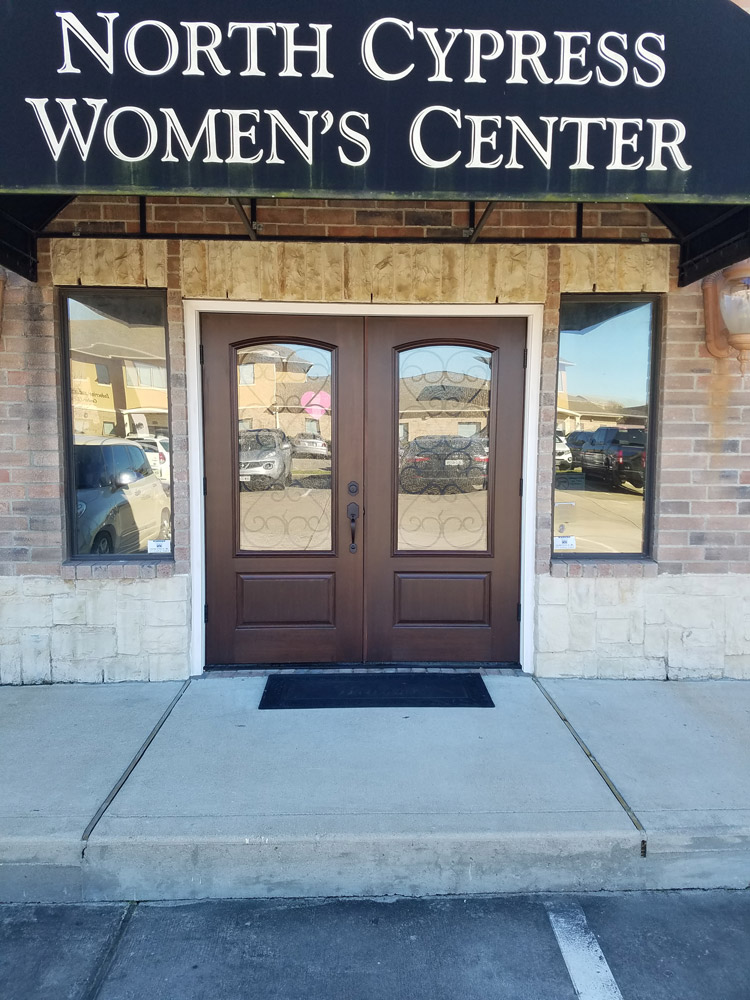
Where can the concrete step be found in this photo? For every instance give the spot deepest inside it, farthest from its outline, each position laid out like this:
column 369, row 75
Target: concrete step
column 231, row 802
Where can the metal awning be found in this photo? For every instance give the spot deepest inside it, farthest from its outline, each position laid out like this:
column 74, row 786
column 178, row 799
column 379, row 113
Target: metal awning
column 22, row 218
column 710, row 237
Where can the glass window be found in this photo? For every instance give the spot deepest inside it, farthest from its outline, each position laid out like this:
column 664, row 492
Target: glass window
column 118, row 406
column 602, row 433
column 443, row 420
column 286, row 455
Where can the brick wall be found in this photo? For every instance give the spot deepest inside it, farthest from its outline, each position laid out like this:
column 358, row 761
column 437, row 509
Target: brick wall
column 336, row 219
column 30, row 461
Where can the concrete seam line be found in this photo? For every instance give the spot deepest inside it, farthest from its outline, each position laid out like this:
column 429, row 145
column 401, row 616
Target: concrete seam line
column 587, row 967
column 131, row 767
column 602, row 773
column 105, row 964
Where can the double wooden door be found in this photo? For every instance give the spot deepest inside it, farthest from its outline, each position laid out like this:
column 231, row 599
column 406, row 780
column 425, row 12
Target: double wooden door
column 362, row 489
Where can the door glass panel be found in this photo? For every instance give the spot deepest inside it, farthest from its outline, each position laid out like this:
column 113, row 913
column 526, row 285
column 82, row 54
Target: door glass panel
column 443, row 448
column 284, row 413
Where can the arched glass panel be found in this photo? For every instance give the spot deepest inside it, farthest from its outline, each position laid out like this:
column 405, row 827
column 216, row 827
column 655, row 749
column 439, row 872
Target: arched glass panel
column 285, row 404
column 443, row 448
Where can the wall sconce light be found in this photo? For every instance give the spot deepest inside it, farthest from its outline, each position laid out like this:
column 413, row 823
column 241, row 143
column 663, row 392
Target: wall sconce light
column 726, row 302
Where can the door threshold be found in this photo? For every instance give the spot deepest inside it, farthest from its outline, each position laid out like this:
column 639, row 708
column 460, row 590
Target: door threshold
column 265, row 669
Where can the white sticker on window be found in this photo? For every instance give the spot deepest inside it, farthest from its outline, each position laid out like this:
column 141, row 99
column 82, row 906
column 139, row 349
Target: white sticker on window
column 564, row 543
column 159, row 547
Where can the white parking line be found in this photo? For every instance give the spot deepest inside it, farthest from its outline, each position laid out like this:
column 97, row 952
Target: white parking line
column 588, row 969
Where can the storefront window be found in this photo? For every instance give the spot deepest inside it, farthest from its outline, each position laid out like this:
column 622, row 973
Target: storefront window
column 118, row 404
column 603, row 424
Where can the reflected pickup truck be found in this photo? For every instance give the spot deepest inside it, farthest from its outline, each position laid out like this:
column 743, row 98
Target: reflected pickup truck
column 617, row 455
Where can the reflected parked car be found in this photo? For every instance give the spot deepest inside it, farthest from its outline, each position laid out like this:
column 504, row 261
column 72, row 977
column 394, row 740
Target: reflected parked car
column 311, row 445
column 616, row 455
column 563, row 457
column 265, row 459
column 443, row 464
column 577, row 441
column 156, row 448
column 120, row 503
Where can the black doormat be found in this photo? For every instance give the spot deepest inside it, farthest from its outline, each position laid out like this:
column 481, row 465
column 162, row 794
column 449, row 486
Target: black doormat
column 375, row 691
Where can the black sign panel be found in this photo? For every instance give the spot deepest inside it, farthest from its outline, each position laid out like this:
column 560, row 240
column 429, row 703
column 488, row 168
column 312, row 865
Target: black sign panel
column 501, row 99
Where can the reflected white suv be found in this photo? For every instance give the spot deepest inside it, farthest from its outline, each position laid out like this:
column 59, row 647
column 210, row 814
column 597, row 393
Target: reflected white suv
column 156, row 448
column 563, row 455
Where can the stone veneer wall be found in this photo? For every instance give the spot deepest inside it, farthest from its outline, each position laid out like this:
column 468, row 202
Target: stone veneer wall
column 657, row 627
column 93, row 630
column 684, row 614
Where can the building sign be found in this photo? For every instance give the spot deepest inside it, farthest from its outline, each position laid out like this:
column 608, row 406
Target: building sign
column 507, row 99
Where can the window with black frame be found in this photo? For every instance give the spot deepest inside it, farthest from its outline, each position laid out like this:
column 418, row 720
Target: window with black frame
column 603, row 426
column 118, row 417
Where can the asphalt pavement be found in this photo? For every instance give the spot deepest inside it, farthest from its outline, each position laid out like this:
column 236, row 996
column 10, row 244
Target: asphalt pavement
column 688, row 945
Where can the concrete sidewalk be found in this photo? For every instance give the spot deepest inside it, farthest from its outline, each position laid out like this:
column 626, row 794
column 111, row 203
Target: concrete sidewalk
column 227, row 801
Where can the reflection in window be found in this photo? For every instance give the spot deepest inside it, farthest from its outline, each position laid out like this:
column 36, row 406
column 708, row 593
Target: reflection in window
column 285, row 428
column 443, row 448
column 119, row 410
column 601, row 440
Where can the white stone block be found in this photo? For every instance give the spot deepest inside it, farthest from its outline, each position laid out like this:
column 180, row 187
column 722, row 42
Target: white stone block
column 581, row 595
column 156, row 639
column 45, row 586
column 553, row 629
column 690, row 612
column 565, row 665
column 632, row 668
column 26, row 612
column 73, row 643
column 170, row 588
column 737, row 667
column 582, row 632
column 653, row 611
column 35, row 657
column 126, row 668
column 655, row 641
column 101, row 606
column 10, row 586
column 10, row 663
column 612, row 630
column 700, row 638
column 631, row 591
column 552, row 590
column 129, row 626
column 172, row 613
column 693, row 660
column 88, row 671
column 607, row 592
column 168, row 667
column 636, row 627
column 68, row 610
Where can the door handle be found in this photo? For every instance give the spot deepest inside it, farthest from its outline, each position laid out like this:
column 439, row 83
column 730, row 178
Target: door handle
column 352, row 512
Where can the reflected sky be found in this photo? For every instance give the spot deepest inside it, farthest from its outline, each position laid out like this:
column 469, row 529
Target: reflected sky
column 445, row 358
column 610, row 360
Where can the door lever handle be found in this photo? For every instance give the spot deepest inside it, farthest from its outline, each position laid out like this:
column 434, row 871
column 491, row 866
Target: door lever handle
column 352, row 512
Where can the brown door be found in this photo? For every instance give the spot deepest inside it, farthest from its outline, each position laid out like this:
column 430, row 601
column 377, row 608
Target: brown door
column 362, row 517
column 282, row 441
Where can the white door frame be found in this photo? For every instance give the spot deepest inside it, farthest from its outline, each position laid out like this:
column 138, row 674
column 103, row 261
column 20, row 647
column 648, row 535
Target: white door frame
column 532, row 313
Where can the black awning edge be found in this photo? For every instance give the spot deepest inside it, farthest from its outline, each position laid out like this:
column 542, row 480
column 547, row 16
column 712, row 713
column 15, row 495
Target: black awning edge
column 22, row 218
column 711, row 237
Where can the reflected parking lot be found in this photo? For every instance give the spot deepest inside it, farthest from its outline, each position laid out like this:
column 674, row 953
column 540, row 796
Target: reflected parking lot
column 600, row 519
column 296, row 517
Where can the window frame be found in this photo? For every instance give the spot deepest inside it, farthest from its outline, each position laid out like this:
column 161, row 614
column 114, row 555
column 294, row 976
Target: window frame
column 86, row 295
column 646, row 555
